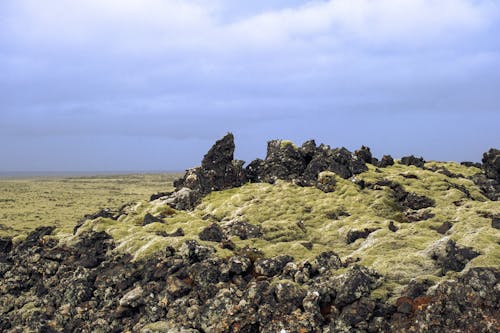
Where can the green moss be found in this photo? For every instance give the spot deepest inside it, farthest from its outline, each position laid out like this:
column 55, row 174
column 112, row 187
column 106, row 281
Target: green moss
column 27, row 203
column 290, row 215
column 287, row 143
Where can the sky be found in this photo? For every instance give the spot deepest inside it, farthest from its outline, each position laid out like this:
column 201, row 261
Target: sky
column 97, row 85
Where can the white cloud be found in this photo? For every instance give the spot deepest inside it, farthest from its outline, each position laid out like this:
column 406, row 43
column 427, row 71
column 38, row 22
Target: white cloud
column 169, row 24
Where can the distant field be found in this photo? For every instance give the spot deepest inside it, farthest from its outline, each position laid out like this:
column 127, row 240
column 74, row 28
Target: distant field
column 26, row 203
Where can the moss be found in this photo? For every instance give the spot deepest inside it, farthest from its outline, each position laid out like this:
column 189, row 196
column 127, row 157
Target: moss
column 287, row 143
column 61, row 201
column 326, row 218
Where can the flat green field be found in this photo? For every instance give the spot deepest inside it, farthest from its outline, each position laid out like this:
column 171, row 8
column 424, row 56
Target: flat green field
column 26, row 203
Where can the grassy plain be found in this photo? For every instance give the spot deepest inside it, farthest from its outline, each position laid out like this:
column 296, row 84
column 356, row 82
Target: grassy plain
column 26, row 203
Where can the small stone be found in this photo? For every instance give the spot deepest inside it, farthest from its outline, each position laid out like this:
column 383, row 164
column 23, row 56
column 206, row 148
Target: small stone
column 495, row 222
column 133, row 298
column 392, row 227
column 212, row 233
column 443, row 228
column 148, row 219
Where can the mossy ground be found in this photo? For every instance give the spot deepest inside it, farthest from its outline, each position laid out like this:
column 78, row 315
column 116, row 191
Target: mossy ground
column 289, row 215
column 26, row 203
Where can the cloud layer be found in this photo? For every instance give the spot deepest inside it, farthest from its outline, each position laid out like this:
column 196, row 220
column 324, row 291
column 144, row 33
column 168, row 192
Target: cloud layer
column 182, row 70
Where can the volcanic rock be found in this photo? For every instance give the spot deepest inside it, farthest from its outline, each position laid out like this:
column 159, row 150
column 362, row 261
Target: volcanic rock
column 5, row 245
column 148, row 219
column 353, row 235
column 212, row 233
column 386, row 161
column 491, row 164
column 412, row 160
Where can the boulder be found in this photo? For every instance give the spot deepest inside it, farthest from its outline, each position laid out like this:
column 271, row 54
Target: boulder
column 412, row 160
column 243, row 229
column 491, row 164
column 5, row 245
column 364, row 154
column 271, row 266
column 353, row 235
column 495, row 222
column 283, row 160
column 212, row 233
column 450, row 256
column 386, row 161
column 148, row 219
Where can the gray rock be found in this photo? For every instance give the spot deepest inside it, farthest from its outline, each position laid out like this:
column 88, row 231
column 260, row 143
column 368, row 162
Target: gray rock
column 133, row 298
column 271, row 266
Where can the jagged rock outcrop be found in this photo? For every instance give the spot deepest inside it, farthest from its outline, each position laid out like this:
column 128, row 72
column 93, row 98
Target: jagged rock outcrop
column 491, row 164
column 304, row 166
column 489, row 182
column 284, row 160
column 218, row 171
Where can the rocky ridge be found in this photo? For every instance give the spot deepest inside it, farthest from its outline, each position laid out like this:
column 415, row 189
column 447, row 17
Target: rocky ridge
column 223, row 281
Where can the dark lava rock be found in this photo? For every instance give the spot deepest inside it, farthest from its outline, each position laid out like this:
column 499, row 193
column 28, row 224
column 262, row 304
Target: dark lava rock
column 5, row 244
column 407, row 200
column 353, row 235
column 47, row 287
column 471, row 164
column 218, row 171
column 326, row 261
column 408, row 176
column 337, row 214
column 386, row 161
column 195, row 252
column 356, row 283
column 416, row 202
column 454, row 257
column 35, row 237
column 271, row 266
column 443, row 309
column 148, row 219
column 491, row 164
column 415, row 216
column 159, row 195
column 495, row 222
column 443, row 228
column 212, row 233
column 243, row 230
column 364, row 154
column 489, row 187
column 442, row 170
column 412, row 160
column 92, row 248
column 392, row 227
column 104, row 213
column 283, row 161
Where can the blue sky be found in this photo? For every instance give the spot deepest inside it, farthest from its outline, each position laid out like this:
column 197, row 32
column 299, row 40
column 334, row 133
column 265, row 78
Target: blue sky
column 151, row 84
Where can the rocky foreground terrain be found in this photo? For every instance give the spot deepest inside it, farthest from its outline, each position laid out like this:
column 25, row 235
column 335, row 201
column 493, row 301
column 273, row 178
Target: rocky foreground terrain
column 310, row 239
